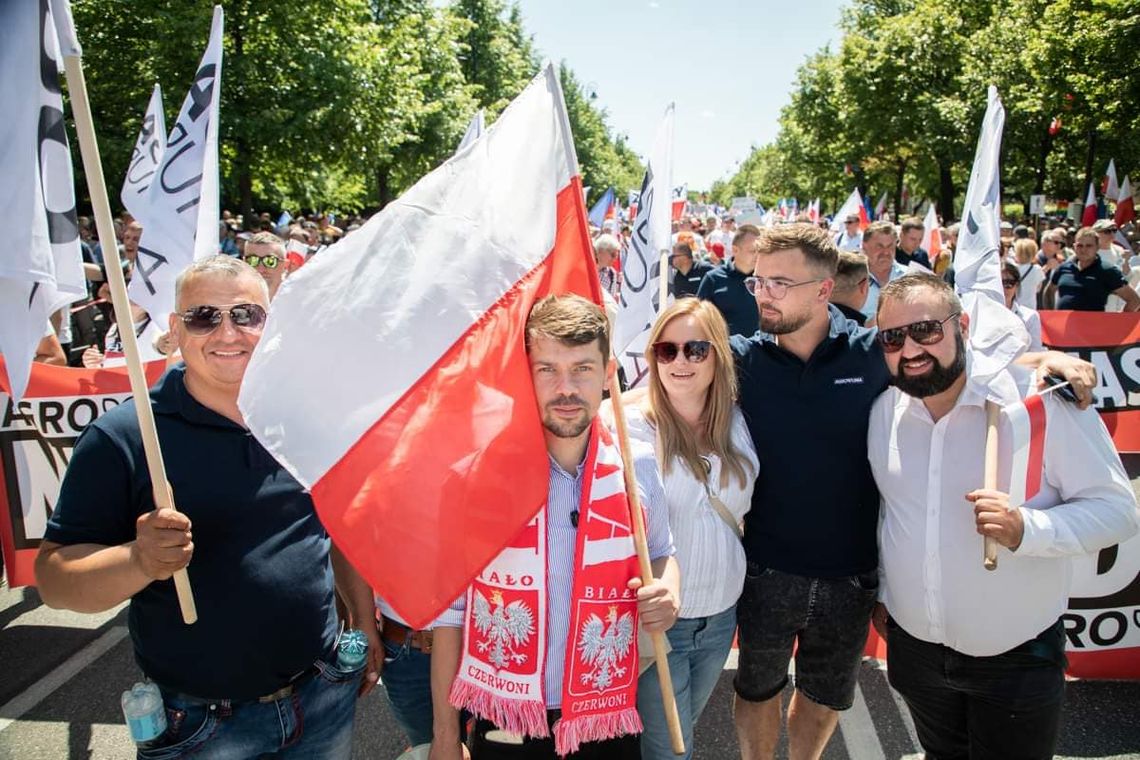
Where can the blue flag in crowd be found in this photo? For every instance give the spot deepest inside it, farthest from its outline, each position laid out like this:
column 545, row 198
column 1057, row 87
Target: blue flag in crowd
column 598, row 211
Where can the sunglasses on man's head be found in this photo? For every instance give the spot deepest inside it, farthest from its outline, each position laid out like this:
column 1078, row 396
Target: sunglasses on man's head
column 924, row 333
column 203, row 320
column 696, row 351
column 269, row 262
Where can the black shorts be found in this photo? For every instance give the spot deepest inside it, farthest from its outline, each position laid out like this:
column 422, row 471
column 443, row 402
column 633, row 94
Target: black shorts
column 825, row 619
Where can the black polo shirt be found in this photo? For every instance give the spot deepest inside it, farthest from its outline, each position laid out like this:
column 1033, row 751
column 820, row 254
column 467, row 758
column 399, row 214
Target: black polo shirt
column 1086, row 289
column 815, row 506
column 687, row 284
column 724, row 286
column 260, row 573
column 920, row 256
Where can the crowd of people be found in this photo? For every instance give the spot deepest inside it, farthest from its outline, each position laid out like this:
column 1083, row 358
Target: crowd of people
column 808, row 452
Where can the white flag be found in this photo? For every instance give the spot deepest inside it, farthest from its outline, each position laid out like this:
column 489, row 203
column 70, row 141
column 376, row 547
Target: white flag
column 146, row 158
column 180, row 217
column 852, row 205
column 641, row 262
column 474, row 129
column 1111, row 189
column 40, row 266
column 997, row 335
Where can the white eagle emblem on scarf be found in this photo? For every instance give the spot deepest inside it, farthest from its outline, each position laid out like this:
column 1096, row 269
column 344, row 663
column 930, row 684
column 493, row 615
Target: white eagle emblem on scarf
column 504, row 628
column 604, row 646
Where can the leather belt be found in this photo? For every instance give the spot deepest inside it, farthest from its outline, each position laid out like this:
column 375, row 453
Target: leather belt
column 398, row 634
column 290, row 688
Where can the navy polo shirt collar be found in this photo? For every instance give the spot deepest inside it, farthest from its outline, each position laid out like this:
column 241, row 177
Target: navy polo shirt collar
column 169, row 396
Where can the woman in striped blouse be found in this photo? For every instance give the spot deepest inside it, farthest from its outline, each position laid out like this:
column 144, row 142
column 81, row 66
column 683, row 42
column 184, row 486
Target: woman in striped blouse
column 708, row 465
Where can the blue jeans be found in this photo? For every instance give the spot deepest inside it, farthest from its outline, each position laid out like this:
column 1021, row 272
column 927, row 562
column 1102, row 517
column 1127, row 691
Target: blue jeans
column 314, row 722
column 700, row 649
column 407, row 686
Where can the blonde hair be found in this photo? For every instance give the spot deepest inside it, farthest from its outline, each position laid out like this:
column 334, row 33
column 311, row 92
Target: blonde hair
column 676, row 438
column 1024, row 249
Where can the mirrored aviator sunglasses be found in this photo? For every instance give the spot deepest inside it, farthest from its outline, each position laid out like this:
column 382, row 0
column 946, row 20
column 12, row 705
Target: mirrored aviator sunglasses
column 269, row 262
column 203, row 320
column 695, row 351
column 924, row 333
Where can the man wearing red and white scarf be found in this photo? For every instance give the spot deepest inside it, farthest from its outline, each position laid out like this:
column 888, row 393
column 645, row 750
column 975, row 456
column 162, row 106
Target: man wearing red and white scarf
column 978, row 655
column 546, row 656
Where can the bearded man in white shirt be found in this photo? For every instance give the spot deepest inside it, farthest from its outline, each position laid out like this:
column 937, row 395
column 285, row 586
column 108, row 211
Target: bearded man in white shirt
column 978, row 656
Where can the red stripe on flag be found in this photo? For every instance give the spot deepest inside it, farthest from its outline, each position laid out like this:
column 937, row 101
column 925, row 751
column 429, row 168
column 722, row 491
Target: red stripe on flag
column 1035, row 407
column 443, row 481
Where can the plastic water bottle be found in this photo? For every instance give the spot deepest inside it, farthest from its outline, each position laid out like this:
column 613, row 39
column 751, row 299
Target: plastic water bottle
column 144, row 712
column 352, row 650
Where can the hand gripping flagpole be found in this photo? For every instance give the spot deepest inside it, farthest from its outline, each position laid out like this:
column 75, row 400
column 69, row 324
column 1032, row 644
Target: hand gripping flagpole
column 89, row 150
column 991, row 475
column 637, row 520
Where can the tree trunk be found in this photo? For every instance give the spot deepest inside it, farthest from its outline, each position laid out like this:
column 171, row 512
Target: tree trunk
column 245, row 193
column 900, row 176
column 945, row 190
column 860, row 179
column 383, row 186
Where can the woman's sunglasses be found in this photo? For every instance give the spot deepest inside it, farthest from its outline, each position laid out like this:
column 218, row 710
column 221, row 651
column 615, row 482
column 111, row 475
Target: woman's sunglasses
column 696, row 351
column 924, row 333
column 203, row 320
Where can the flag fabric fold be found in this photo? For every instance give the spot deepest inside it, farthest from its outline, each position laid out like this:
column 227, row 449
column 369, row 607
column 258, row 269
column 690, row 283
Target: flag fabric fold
column 475, row 129
column 931, row 234
column 146, row 157
column 41, row 269
column 424, row 448
column 181, row 209
column 853, row 205
column 1091, row 212
column 1109, row 187
column 997, row 335
column 1125, row 206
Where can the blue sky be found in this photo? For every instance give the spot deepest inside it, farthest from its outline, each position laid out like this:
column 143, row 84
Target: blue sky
column 728, row 65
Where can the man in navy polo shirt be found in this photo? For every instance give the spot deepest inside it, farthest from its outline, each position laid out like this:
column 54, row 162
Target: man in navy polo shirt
column 807, row 382
column 688, row 272
column 255, row 674
column 1084, row 282
column 724, row 285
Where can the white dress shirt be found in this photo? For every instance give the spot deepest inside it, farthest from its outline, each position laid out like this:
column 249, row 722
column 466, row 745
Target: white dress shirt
column 932, row 579
column 709, row 553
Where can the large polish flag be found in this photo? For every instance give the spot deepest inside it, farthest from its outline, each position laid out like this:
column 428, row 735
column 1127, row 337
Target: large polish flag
column 392, row 378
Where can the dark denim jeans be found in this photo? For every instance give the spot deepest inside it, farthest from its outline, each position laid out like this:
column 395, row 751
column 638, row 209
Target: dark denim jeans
column 407, row 686
column 827, row 619
column 314, row 722
column 1005, row 707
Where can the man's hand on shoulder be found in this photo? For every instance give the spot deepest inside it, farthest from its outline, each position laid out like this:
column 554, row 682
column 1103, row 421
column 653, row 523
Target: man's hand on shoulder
column 163, row 543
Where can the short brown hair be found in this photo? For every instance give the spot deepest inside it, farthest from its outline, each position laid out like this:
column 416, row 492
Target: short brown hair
column 571, row 320
column 878, row 228
column 817, row 246
column 911, row 223
column 904, row 287
column 743, row 231
column 851, row 270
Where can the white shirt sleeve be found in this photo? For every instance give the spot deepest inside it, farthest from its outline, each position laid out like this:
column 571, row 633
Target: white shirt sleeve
column 1098, row 507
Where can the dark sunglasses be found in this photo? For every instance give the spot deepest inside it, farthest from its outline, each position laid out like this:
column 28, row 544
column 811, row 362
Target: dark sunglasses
column 1009, row 283
column 924, row 333
column 203, row 320
column 696, row 351
column 269, row 262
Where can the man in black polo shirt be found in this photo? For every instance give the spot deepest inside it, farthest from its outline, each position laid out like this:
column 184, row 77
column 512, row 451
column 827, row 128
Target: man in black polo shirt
column 807, row 382
column 256, row 673
column 910, row 243
column 1084, row 282
column 724, row 285
column 689, row 273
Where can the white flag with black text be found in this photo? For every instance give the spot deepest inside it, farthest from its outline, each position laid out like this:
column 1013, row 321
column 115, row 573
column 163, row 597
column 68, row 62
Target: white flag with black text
column 641, row 261
column 180, row 213
column 147, row 155
column 41, row 270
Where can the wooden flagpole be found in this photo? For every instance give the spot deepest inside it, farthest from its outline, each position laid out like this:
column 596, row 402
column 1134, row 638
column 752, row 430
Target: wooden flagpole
column 991, row 475
column 93, row 167
column 637, row 520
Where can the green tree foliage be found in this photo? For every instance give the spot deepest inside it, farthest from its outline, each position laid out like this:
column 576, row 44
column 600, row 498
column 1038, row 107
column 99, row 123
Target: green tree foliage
column 900, row 99
column 339, row 105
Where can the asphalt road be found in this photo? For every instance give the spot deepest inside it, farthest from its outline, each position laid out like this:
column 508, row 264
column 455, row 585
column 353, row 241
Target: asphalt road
column 61, row 675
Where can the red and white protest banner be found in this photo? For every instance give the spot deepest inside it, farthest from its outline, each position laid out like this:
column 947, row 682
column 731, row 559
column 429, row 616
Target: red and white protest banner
column 37, row 435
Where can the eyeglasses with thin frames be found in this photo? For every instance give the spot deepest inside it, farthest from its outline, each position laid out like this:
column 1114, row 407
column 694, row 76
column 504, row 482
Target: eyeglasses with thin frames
column 777, row 289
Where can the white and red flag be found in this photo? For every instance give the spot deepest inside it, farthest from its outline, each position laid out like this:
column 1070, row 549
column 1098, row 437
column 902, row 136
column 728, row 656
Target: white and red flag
column 853, row 205
column 881, row 206
column 1088, row 217
column 1125, row 206
column 392, row 378
column 1108, row 186
column 1027, row 422
column 931, row 234
column 680, row 200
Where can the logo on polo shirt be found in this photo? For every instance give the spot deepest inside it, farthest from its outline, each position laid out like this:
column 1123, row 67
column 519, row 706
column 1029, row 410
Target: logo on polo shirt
column 848, row 381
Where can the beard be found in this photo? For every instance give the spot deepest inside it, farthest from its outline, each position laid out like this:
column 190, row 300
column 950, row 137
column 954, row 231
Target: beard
column 783, row 324
column 564, row 428
column 937, row 378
